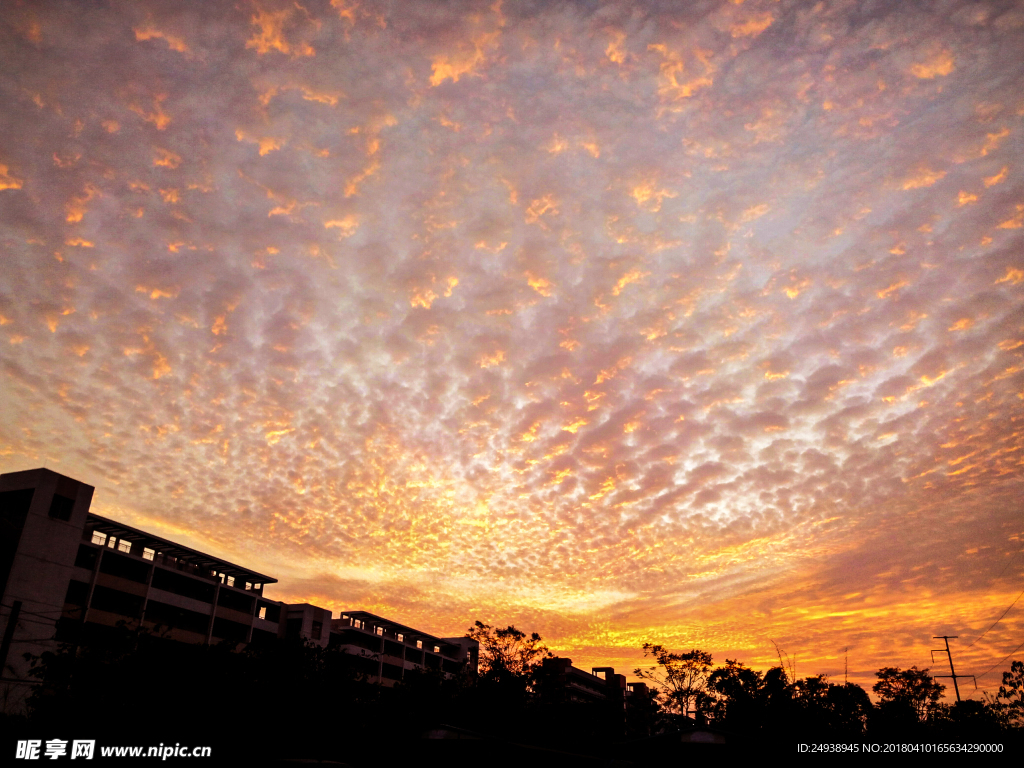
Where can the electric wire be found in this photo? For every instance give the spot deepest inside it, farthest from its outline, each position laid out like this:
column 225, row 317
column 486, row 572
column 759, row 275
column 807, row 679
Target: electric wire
column 1008, row 564
column 998, row 620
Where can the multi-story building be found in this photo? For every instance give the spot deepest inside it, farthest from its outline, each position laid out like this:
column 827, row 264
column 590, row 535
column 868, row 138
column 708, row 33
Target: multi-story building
column 387, row 649
column 42, row 515
column 65, row 571
column 563, row 682
column 308, row 622
column 123, row 573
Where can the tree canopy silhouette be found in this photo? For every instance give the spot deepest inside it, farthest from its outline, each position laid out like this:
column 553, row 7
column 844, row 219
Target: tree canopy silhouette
column 1009, row 702
column 680, row 678
column 507, row 653
column 911, row 688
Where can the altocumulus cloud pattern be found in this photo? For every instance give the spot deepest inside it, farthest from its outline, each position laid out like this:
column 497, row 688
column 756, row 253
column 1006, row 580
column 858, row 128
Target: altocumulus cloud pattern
column 697, row 323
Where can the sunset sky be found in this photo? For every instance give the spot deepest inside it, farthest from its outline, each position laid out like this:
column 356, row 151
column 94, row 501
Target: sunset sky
column 693, row 323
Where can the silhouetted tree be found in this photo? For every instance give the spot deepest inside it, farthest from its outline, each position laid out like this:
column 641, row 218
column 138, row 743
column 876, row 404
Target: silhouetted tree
column 747, row 701
column 738, row 696
column 968, row 719
column 827, row 708
column 907, row 698
column 1009, row 702
column 912, row 688
column 509, row 653
column 681, row 679
column 849, row 709
column 509, row 662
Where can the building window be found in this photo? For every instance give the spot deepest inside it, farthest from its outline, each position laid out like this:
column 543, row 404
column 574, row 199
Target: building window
column 257, row 587
column 419, row 643
column 99, row 538
column 248, row 586
column 112, row 542
column 263, row 612
column 231, row 581
column 60, row 507
column 124, row 546
column 437, row 649
column 317, row 629
column 148, row 554
column 379, row 631
column 401, row 637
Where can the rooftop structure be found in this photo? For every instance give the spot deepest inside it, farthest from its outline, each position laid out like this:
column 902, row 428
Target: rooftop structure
column 563, row 682
column 105, row 531
column 391, row 649
column 123, row 573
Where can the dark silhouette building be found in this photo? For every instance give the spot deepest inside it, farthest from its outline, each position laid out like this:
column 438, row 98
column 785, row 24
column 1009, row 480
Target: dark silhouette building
column 66, row 574
column 564, row 682
column 388, row 649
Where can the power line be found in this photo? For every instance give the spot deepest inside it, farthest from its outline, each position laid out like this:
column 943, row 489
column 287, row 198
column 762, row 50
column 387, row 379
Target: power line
column 31, row 640
column 999, row 619
column 11, row 607
column 41, row 615
column 1002, row 660
column 23, row 620
column 1008, row 564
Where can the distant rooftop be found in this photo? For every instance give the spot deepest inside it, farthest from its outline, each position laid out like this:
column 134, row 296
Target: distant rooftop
column 393, row 625
column 120, row 530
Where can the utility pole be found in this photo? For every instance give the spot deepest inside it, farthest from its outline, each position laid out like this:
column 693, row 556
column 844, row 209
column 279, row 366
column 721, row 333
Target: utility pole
column 952, row 671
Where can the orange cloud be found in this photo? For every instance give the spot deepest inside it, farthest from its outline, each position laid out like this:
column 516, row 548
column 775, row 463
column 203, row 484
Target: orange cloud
column 615, row 52
column 464, row 61
column 8, row 180
column 753, row 26
column 164, row 158
column 672, row 85
column 151, row 33
column 1013, row 275
column 993, row 180
column 77, row 207
column 649, row 196
column 924, row 177
column 939, row 65
column 266, row 144
column 271, row 33
column 156, row 115
column 347, row 225
column 1015, row 222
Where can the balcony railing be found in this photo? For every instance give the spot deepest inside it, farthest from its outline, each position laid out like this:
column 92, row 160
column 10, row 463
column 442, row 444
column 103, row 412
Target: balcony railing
column 185, row 567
